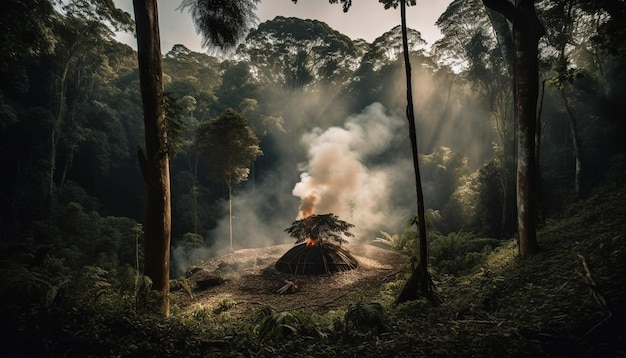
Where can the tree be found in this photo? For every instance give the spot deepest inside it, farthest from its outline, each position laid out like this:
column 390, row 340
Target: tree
column 389, row 47
column 155, row 161
column 30, row 36
column 296, row 53
column 526, row 34
column 420, row 279
column 77, row 60
column 420, row 282
column 478, row 40
column 316, row 228
column 221, row 24
column 565, row 32
column 230, row 147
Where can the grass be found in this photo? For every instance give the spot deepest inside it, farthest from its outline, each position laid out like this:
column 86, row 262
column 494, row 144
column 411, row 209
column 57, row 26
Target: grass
column 566, row 300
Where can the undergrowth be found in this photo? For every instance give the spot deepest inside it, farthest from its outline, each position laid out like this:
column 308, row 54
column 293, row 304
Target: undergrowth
column 566, row 300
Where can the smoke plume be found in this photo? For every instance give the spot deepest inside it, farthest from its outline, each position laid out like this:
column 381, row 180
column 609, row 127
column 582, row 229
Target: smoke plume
column 342, row 175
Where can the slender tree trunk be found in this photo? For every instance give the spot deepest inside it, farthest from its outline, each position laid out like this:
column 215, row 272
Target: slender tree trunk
column 230, row 215
column 573, row 131
column 195, row 195
column 503, row 35
column 155, row 163
column 541, row 211
column 56, row 126
column 420, row 283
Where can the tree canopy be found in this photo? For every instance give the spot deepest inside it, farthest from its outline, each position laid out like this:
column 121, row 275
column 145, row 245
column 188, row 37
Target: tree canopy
column 320, row 227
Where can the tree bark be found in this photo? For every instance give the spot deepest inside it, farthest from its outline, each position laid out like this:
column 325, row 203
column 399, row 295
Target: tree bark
column 503, row 35
column 527, row 30
column 56, row 126
column 155, row 162
column 420, row 282
column 573, row 128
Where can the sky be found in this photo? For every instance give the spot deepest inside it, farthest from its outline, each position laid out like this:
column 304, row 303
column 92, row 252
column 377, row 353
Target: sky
column 367, row 19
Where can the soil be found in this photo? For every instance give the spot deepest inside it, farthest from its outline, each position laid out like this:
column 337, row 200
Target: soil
column 251, row 281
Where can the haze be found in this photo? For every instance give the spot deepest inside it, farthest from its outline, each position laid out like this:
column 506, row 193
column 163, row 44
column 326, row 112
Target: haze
column 367, row 19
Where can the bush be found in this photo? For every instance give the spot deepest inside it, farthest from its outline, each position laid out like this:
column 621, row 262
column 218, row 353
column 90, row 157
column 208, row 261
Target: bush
column 458, row 253
column 274, row 325
column 366, row 318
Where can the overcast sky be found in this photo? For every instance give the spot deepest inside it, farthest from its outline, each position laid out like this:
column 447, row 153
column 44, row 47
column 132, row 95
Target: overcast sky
column 367, row 19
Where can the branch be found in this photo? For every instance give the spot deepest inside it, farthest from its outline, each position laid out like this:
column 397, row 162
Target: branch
column 502, row 6
column 143, row 163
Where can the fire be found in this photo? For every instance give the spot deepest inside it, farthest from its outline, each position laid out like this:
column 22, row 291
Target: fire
column 311, row 241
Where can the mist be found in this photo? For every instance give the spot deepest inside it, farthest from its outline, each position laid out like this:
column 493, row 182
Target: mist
column 342, row 178
column 357, row 166
column 352, row 171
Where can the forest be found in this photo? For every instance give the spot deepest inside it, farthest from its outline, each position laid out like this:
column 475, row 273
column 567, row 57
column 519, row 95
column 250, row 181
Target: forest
column 295, row 113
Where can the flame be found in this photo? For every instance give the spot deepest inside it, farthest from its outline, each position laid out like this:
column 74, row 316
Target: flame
column 311, row 241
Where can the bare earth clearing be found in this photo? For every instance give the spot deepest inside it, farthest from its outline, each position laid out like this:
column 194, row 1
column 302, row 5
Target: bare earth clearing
column 251, row 281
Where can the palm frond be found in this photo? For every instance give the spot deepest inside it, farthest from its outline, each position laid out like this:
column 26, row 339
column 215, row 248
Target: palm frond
column 222, row 23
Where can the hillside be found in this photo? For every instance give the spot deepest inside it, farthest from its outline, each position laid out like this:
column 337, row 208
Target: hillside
column 567, row 300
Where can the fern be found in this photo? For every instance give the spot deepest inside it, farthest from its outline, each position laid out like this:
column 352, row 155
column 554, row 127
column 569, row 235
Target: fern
column 277, row 325
column 405, row 243
column 366, row 317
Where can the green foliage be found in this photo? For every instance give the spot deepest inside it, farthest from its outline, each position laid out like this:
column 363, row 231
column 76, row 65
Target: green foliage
column 565, row 74
column 273, row 325
column 221, row 25
column 191, row 242
column 302, row 53
column 225, row 305
column 322, row 226
column 366, row 318
column 406, row 242
column 459, row 252
column 69, row 277
column 174, row 124
column 229, row 145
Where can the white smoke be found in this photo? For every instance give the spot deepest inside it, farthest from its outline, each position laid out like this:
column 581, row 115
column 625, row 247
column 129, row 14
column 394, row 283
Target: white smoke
column 338, row 179
column 355, row 172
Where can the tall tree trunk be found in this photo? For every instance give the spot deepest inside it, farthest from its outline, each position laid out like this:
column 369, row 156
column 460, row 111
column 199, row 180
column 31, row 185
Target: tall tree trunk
column 527, row 30
column 573, row 130
column 230, row 215
column 503, row 35
column 567, row 22
column 420, row 282
column 541, row 211
column 56, row 126
column 155, row 163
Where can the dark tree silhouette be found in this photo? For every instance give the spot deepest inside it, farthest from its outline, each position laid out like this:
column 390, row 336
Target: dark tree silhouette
column 314, row 254
column 420, row 282
column 222, row 24
column 319, row 228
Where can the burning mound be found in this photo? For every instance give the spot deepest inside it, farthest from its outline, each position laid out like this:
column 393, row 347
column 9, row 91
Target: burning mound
column 323, row 257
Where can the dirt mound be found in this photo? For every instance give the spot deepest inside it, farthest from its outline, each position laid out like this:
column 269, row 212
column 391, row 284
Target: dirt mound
column 251, row 280
column 324, row 257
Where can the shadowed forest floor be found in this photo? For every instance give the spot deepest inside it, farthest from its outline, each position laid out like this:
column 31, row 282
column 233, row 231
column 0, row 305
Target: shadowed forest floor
column 568, row 300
